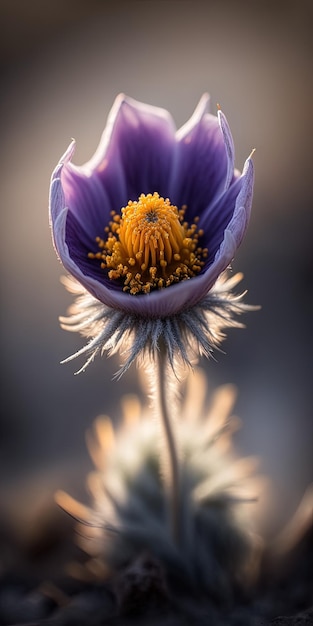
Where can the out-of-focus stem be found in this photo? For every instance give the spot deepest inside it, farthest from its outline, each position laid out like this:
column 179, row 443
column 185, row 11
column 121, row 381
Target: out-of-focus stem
column 170, row 462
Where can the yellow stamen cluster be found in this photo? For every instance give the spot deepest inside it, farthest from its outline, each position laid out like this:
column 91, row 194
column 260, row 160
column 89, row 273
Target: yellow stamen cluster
column 150, row 246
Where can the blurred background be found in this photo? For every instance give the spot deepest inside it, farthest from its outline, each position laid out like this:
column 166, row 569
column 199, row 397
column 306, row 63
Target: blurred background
column 63, row 62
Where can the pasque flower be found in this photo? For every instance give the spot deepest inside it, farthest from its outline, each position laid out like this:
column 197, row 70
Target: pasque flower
column 219, row 548
column 147, row 227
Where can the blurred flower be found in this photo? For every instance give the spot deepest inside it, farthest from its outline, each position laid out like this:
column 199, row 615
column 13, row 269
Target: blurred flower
column 218, row 550
column 173, row 211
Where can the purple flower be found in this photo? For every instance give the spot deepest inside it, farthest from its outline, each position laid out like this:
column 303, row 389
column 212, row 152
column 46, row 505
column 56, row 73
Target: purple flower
column 148, row 226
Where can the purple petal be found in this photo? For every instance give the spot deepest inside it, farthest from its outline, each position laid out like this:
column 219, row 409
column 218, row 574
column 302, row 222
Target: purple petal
column 79, row 243
column 204, row 166
column 56, row 200
column 83, row 195
column 243, row 202
column 226, row 212
column 136, row 153
column 63, row 227
column 86, row 199
column 229, row 147
column 215, row 218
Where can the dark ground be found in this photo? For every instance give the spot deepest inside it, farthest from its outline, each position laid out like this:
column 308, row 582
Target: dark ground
column 36, row 590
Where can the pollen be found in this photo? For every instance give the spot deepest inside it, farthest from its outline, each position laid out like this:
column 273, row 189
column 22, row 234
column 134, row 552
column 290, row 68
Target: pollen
column 149, row 246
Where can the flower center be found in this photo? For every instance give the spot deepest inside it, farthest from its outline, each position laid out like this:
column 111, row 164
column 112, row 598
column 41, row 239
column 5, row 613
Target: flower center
column 150, row 246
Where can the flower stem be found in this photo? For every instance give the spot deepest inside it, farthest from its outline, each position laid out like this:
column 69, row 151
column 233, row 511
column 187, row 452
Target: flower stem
column 170, row 462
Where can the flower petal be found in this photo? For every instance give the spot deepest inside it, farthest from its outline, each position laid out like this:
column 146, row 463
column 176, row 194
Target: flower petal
column 81, row 194
column 227, row 210
column 136, row 152
column 229, row 147
column 205, row 156
column 238, row 224
column 56, row 198
column 86, row 199
column 201, row 109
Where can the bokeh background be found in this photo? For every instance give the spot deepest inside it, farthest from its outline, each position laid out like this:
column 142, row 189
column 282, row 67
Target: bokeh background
column 63, row 62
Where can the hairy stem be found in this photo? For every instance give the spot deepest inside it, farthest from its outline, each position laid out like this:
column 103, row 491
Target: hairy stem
column 170, row 462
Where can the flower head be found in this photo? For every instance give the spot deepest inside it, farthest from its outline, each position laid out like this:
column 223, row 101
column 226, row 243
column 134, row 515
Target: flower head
column 219, row 548
column 147, row 227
